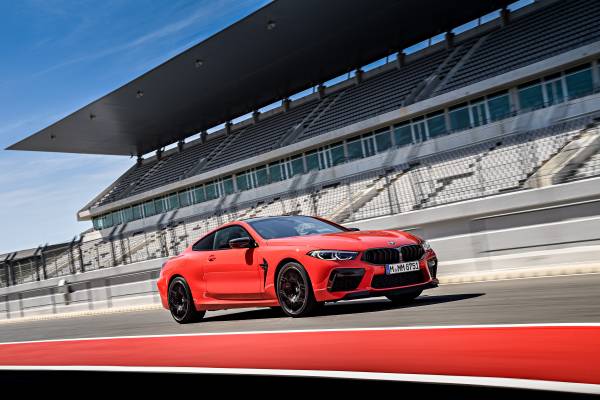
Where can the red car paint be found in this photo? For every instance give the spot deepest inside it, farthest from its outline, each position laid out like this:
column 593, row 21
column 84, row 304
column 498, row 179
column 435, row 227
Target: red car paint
column 230, row 278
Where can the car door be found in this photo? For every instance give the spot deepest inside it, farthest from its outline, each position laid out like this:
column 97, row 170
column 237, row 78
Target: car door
column 232, row 273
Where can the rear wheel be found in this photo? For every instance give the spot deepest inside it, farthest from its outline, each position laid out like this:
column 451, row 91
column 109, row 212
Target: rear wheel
column 181, row 303
column 404, row 298
column 294, row 291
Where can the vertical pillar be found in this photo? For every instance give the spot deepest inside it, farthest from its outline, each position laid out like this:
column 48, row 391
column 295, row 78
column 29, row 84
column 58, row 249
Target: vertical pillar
column 203, row 136
column 112, row 251
column 123, row 250
column 285, row 103
column 449, row 40
column 43, row 259
column 10, row 268
column 80, row 252
column 72, row 257
column 504, row 16
column 255, row 116
column 401, row 59
column 321, row 91
column 358, row 76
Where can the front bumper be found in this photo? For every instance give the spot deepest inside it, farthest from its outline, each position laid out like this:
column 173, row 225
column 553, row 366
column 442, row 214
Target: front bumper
column 358, row 279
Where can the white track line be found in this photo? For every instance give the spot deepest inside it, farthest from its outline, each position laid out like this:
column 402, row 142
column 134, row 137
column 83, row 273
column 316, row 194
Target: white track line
column 390, row 328
column 510, row 279
column 379, row 376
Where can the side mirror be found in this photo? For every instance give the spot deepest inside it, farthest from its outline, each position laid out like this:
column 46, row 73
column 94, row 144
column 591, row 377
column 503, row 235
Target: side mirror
column 353, row 229
column 242, row 243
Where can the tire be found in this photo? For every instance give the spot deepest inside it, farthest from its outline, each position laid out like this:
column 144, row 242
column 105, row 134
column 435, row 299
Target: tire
column 294, row 291
column 181, row 303
column 404, row 298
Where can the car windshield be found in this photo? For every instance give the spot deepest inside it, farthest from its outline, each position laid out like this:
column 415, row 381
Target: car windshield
column 281, row 227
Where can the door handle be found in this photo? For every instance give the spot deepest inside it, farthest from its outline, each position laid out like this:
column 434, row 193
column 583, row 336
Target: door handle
column 212, row 258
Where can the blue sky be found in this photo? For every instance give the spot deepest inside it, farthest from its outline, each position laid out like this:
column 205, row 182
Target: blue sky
column 60, row 55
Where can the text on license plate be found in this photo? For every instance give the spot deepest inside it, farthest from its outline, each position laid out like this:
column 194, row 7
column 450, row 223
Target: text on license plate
column 402, row 267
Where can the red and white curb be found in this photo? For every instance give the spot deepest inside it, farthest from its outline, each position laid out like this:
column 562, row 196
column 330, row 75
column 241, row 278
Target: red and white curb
column 563, row 357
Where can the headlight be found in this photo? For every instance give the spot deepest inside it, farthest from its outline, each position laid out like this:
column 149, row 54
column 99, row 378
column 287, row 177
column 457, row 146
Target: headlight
column 333, row 255
column 426, row 245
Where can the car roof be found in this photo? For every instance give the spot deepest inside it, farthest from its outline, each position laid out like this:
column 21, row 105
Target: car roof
column 254, row 219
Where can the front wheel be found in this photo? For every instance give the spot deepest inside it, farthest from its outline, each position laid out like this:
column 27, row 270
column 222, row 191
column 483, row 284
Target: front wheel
column 181, row 303
column 404, row 298
column 294, row 291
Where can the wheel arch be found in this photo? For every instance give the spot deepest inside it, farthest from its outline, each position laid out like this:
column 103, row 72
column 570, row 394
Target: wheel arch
column 281, row 264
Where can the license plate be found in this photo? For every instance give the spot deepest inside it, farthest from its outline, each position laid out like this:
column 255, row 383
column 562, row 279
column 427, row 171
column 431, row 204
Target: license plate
column 402, row 267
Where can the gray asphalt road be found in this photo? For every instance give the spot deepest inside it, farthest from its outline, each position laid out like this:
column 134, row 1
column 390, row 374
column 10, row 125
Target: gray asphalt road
column 541, row 300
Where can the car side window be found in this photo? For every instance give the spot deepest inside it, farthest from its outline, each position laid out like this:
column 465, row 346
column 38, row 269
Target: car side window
column 224, row 235
column 204, row 244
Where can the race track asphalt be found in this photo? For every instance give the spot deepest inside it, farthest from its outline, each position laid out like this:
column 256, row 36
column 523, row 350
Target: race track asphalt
column 574, row 299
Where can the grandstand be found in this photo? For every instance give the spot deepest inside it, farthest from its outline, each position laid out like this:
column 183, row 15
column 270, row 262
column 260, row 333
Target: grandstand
column 484, row 111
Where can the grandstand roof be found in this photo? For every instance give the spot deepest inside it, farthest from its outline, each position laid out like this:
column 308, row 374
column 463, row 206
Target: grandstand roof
column 281, row 49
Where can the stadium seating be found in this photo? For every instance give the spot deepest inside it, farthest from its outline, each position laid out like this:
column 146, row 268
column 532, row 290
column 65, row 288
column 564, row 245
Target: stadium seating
column 559, row 27
column 383, row 92
column 556, row 28
column 590, row 168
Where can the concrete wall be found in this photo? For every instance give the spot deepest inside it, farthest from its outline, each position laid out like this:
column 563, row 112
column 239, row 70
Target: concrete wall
column 122, row 286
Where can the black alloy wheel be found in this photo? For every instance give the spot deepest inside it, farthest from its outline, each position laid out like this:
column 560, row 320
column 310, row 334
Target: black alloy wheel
column 181, row 303
column 294, row 291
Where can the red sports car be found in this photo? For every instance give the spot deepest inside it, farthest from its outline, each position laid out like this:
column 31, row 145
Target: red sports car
column 295, row 262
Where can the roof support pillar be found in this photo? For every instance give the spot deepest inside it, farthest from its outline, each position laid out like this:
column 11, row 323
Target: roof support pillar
column 10, row 270
column 449, row 40
column 203, row 135
column 285, row 103
column 401, row 59
column 43, row 260
column 158, row 154
column 255, row 116
column 321, row 91
column 358, row 76
column 180, row 144
column 228, row 127
column 504, row 16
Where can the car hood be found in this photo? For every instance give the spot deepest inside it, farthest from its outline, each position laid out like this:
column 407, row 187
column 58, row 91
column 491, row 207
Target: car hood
column 354, row 240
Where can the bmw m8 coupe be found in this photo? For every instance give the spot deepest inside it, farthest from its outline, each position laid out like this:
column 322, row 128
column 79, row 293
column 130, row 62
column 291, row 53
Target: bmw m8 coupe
column 294, row 262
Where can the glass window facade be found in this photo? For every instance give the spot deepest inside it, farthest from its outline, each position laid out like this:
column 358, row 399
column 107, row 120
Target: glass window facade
column 479, row 114
column 355, row 150
column 436, row 125
column 383, row 140
column 312, row 161
column 579, row 82
column 337, row 154
column 531, row 97
column 554, row 91
column 228, row 186
column 297, row 165
column 211, row 191
column 459, row 118
column 499, row 106
column 275, row 172
column 402, row 134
